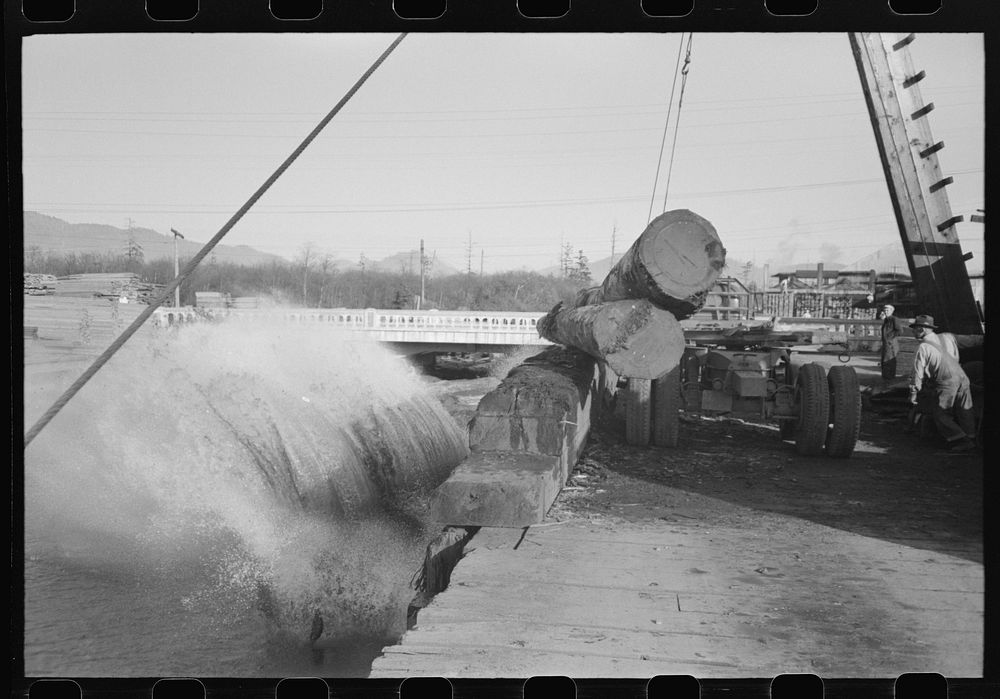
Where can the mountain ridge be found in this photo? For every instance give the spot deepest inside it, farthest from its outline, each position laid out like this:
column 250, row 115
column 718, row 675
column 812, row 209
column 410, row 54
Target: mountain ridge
column 49, row 233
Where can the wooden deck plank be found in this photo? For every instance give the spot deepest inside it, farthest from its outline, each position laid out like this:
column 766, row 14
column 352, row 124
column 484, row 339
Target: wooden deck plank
column 592, row 601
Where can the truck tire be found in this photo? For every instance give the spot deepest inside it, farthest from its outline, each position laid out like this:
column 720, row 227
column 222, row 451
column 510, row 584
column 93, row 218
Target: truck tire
column 638, row 411
column 788, row 428
column 813, row 397
column 666, row 408
column 845, row 412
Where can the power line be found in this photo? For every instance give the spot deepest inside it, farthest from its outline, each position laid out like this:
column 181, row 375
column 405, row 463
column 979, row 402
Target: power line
column 725, row 104
column 299, row 209
column 196, row 260
column 408, row 134
column 465, row 154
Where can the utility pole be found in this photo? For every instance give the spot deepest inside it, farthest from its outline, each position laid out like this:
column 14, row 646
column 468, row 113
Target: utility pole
column 468, row 257
column 482, row 254
column 917, row 186
column 423, row 264
column 614, row 231
column 177, row 269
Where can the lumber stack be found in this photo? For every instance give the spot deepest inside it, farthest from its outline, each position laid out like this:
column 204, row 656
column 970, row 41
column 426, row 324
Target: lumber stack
column 211, row 299
column 39, row 284
column 245, row 302
column 110, row 285
column 67, row 328
column 631, row 321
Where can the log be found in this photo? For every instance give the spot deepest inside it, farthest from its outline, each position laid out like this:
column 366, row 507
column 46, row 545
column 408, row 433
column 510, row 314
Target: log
column 674, row 263
column 633, row 337
column 541, row 407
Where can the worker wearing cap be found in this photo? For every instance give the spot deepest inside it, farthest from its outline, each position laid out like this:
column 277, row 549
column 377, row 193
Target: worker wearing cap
column 892, row 328
column 936, row 369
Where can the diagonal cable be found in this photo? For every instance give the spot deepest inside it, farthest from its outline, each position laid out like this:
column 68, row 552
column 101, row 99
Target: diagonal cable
column 196, row 260
column 666, row 127
column 677, row 119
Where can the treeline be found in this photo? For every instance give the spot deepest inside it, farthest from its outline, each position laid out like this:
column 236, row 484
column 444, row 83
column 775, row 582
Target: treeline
column 322, row 286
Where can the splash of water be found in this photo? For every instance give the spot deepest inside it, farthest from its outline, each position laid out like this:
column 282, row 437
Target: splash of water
column 269, row 452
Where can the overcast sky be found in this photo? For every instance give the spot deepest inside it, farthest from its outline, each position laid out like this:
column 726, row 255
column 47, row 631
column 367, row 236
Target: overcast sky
column 518, row 142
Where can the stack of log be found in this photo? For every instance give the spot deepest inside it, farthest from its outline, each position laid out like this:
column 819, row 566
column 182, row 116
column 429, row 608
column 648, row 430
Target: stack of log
column 631, row 321
column 111, row 285
column 39, row 284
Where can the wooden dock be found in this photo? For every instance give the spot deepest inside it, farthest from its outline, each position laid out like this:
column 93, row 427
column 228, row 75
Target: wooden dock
column 586, row 599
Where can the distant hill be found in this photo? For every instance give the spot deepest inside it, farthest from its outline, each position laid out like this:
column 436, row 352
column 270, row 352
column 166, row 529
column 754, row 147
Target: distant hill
column 51, row 233
column 890, row 258
column 409, row 263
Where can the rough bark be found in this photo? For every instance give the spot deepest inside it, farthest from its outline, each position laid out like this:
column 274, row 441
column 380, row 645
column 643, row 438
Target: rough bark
column 633, row 337
column 673, row 263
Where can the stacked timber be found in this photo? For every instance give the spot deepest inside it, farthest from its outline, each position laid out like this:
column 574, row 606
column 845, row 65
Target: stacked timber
column 39, row 284
column 631, row 321
column 70, row 321
column 245, row 302
column 215, row 300
column 111, row 285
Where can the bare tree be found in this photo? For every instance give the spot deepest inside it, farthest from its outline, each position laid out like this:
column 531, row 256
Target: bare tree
column 34, row 258
column 566, row 260
column 306, row 260
column 325, row 263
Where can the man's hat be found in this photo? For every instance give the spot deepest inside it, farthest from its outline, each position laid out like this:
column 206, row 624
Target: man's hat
column 923, row 322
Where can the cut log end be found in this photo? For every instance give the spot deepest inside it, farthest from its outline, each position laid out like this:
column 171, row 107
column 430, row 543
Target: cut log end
column 685, row 256
column 675, row 261
column 649, row 344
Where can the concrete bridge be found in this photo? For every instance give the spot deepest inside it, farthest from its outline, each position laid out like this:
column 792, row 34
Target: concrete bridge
column 410, row 332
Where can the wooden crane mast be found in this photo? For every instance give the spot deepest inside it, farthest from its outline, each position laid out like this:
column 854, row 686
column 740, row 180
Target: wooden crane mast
column 916, row 184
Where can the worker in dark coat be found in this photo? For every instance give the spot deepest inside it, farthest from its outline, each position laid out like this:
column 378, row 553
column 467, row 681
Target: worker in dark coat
column 936, row 370
column 892, row 328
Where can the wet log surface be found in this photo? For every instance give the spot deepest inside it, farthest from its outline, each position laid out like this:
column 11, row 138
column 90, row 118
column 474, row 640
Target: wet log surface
column 633, row 337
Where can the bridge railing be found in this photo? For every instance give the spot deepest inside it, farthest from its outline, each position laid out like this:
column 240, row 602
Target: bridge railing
column 453, row 320
column 364, row 319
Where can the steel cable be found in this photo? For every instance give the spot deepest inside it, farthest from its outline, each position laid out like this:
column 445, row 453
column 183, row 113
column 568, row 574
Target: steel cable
column 677, row 120
column 666, row 128
column 196, row 260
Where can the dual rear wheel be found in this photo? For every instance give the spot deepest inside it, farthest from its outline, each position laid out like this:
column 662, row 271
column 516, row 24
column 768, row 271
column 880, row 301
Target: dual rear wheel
column 829, row 411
